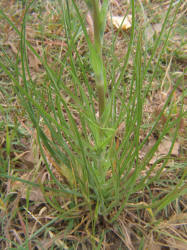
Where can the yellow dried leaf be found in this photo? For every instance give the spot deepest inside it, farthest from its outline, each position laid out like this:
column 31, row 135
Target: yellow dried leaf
column 122, row 23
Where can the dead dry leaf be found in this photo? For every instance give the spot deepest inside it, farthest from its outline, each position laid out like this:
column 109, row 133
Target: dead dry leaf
column 29, row 159
column 34, row 62
column 35, row 193
column 157, row 27
column 13, row 47
column 147, row 148
column 120, row 22
column 165, row 145
column 163, row 149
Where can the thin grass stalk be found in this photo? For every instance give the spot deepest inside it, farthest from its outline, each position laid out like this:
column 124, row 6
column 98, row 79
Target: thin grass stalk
column 96, row 51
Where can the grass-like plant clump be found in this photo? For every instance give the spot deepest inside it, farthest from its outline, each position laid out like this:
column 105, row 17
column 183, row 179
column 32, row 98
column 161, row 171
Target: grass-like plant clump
column 93, row 142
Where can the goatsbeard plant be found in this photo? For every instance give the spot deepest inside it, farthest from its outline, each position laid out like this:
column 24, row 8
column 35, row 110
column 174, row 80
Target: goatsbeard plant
column 100, row 165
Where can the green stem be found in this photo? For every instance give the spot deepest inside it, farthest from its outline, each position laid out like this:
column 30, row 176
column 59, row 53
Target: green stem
column 98, row 49
column 99, row 19
column 97, row 27
column 101, row 94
